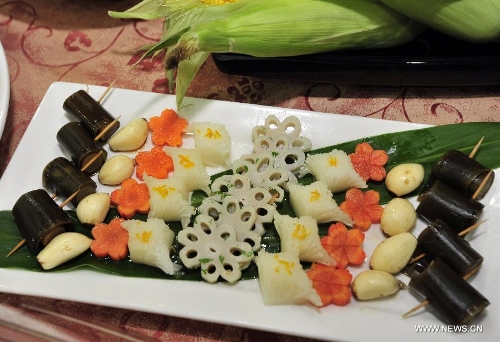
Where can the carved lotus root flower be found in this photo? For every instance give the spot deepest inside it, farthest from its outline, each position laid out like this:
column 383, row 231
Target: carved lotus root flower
column 261, row 171
column 214, row 249
column 241, row 217
column 283, row 140
column 240, row 187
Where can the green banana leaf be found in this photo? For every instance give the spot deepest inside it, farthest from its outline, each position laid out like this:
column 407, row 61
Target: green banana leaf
column 423, row 146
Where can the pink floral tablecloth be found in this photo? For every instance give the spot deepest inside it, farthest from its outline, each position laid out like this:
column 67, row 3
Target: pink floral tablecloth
column 75, row 41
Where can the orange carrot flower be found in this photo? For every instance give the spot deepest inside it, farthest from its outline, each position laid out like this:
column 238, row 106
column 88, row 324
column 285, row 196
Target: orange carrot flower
column 131, row 198
column 110, row 240
column 155, row 163
column 167, row 129
column 369, row 163
column 362, row 207
column 344, row 245
column 331, row 284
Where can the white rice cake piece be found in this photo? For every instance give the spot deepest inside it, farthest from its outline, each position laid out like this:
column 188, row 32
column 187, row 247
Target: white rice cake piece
column 316, row 200
column 283, row 281
column 335, row 169
column 168, row 199
column 302, row 235
column 188, row 166
column 150, row 242
column 213, row 141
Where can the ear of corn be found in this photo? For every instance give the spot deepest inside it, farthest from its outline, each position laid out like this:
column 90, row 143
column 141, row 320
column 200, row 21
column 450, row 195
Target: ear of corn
column 271, row 28
column 471, row 20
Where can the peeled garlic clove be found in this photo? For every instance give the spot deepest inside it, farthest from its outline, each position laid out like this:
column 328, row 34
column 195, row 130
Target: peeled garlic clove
column 93, row 208
column 392, row 254
column 404, row 178
column 373, row 284
column 62, row 248
column 399, row 216
column 130, row 137
column 116, row 169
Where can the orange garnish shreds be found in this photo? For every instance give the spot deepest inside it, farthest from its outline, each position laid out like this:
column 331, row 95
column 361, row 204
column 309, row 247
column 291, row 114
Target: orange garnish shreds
column 344, row 245
column 331, row 284
column 369, row 163
column 167, row 129
column 110, row 240
column 362, row 207
column 131, row 198
column 156, row 163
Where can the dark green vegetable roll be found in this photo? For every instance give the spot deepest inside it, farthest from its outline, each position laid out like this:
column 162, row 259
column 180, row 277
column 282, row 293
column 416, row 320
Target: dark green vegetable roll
column 63, row 178
column 82, row 148
column 454, row 300
column 94, row 117
column 439, row 241
column 443, row 202
column 39, row 219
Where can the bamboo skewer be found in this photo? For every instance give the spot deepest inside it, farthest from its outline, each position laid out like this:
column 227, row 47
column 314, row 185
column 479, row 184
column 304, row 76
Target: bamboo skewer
column 462, row 233
column 106, row 91
column 94, row 158
column 426, row 302
column 474, row 150
column 107, row 128
column 482, row 185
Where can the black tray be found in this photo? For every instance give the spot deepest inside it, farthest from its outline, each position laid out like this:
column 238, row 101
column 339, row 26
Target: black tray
column 431, row 59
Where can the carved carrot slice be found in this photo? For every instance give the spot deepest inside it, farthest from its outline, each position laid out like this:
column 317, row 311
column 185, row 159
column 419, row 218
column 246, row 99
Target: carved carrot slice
column 331, row 284
column 131, row 198
column 362, row 207
column 110, row 240
column 369, row 163
column 156, row 163
column 167, row 129
column 344, row 245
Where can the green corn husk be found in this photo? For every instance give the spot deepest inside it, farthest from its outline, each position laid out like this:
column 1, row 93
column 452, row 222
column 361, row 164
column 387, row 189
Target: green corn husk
column 270, row 28
column 476, row 21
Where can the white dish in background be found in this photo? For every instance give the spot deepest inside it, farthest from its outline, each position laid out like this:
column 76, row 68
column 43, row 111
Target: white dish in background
column 240, row 304
column 4, row 89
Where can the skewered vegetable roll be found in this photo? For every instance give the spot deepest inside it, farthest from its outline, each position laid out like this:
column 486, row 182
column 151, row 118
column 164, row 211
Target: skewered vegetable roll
column 453, row 298
column 440, row 241
column 462, row 173
column 81, row 147
column 63, row 178
column 92, row 115
column 442, row 202
column 39, row 219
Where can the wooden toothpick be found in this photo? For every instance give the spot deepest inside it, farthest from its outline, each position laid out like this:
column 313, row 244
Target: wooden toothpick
column 107, row 128
column 94, row 158
column 482, row 185
column 106, row 91
column 474, row 150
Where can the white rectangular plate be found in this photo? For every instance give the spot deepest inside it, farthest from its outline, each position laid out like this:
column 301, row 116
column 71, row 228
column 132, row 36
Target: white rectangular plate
column 240, row 304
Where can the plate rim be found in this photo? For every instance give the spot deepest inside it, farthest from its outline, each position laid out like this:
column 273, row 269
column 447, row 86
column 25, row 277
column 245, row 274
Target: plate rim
column 4, row 89
column 233, row 293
